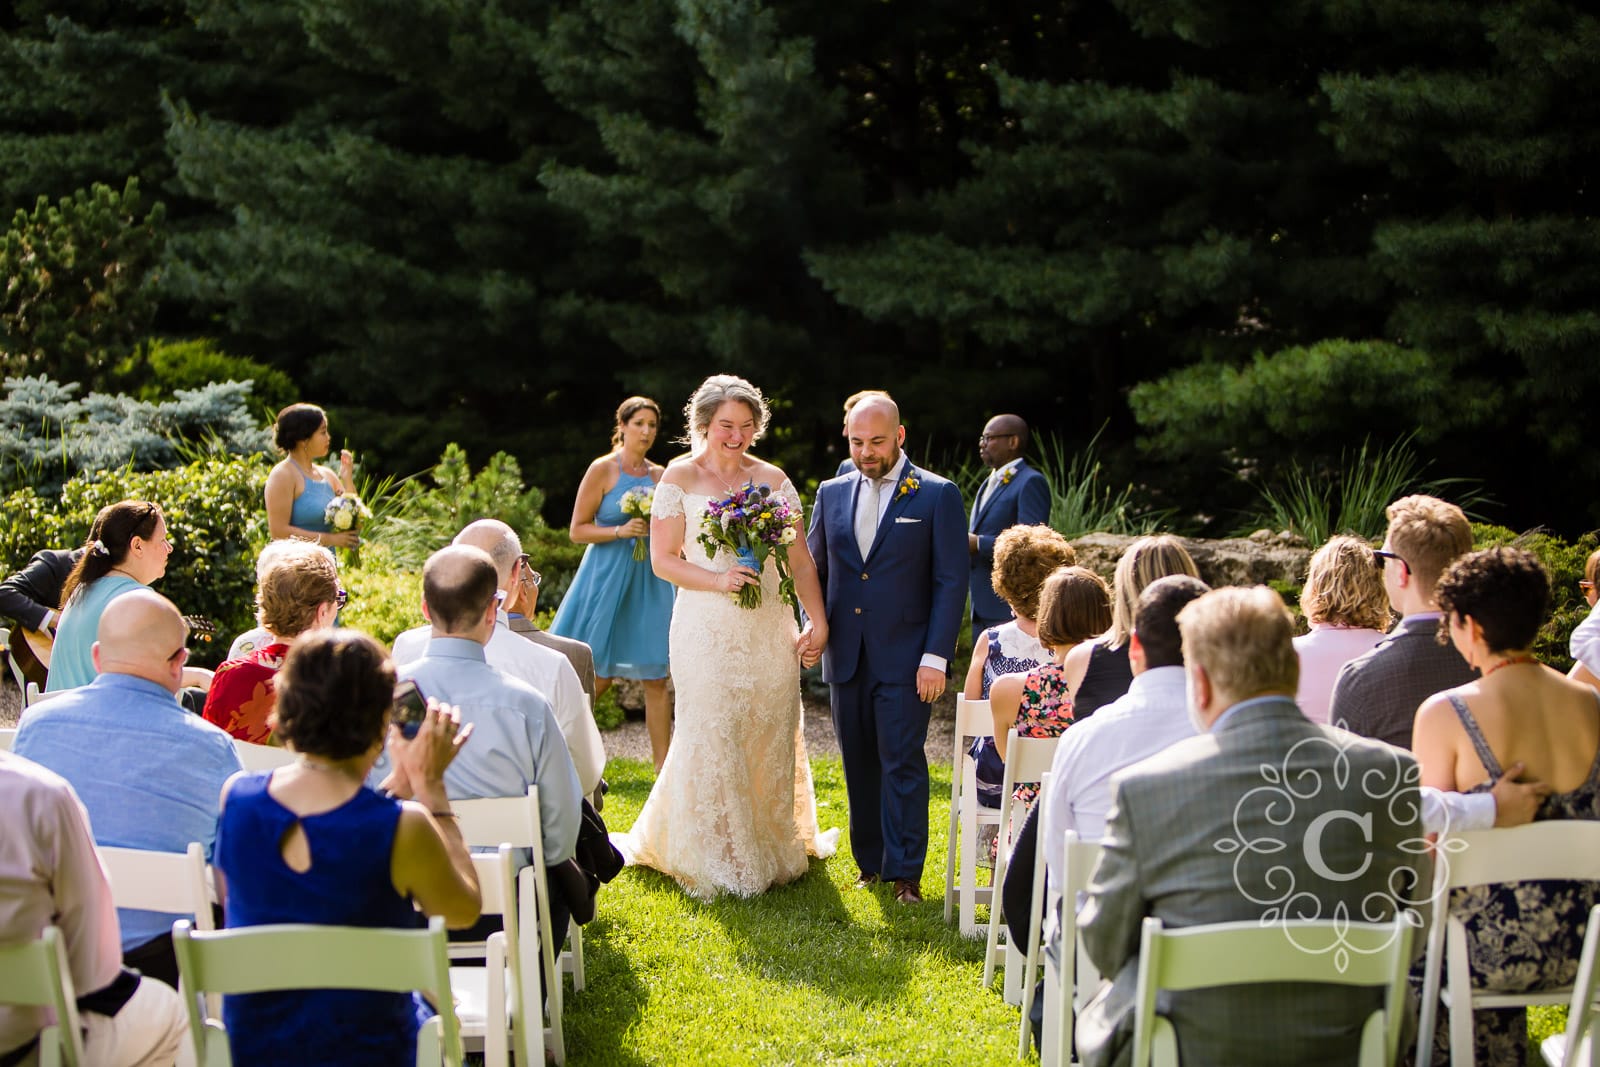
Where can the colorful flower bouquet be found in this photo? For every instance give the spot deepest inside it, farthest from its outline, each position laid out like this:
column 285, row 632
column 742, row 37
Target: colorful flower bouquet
column 345, row 512
column 753, row 523
column 635, row 504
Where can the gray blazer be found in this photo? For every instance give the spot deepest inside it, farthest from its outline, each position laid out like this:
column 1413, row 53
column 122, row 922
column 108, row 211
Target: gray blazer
column 580, row 655
column 1377, row 694
column 1162, row 858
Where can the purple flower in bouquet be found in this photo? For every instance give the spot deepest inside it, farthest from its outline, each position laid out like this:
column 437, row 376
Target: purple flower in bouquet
column 753, row 523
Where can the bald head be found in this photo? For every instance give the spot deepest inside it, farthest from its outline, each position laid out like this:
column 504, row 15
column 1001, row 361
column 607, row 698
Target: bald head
column 497, row 539
column 875, row 435
column 458, row 585
column 1004, row 438
column 142, row 634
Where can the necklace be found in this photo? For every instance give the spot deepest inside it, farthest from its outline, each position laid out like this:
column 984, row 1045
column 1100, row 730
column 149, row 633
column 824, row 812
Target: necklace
column 1511, row 661
column 730, row 488
column 317, row 765
column 637, row 469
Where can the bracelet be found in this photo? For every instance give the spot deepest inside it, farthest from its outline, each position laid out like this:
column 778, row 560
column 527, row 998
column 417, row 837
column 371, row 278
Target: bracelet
column 444, row 814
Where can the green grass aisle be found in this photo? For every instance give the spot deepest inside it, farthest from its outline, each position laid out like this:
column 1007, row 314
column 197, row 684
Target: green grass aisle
column 814, row 972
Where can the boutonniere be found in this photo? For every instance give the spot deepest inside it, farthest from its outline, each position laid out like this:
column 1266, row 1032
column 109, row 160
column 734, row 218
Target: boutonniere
column 1010, row 473
column 908, row 487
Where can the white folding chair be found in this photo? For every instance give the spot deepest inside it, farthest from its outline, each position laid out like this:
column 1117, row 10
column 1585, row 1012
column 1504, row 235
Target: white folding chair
column 35, row 974
column 1575, row 1047
column 1248, row 953
column 1028, row 759
column 258, row 959
column 173, row 882
column 8, row 737
column 489, row 822
column 1070, row 983
column 1566, row 849
column 491, row 1001
column 262, row 757
column 973, row 719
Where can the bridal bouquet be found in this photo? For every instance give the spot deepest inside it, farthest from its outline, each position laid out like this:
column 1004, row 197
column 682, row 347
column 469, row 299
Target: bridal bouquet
column 345, row 512
column 753, row 523
column 635, row 504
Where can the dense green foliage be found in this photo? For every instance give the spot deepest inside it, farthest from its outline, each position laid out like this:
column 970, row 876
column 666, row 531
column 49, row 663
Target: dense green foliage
column 161, row 367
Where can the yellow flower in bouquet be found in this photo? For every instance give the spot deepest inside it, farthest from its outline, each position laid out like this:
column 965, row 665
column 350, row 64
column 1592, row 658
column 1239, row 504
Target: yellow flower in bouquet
column 635, row 504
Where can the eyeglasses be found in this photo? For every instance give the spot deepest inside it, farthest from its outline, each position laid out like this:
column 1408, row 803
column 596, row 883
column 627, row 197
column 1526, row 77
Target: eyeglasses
column 985, row 437
column 1585, row 584
column 529, row 575
column 341, row 598
column 1382, row 555
column 178, row 655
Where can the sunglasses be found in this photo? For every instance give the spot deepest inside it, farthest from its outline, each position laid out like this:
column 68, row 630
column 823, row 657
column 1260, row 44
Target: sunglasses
column 341, row 598
column 1382, row 555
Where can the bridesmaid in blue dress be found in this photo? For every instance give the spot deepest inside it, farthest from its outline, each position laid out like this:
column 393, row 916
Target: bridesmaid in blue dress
column 617, row 605
column 298, row 489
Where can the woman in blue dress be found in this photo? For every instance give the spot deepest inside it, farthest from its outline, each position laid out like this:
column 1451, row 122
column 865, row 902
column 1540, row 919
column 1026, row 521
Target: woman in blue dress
column 298, row 489
column 311, row 843
column 617, row 605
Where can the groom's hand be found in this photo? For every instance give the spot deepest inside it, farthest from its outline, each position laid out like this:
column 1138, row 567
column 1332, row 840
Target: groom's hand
column 930, row 684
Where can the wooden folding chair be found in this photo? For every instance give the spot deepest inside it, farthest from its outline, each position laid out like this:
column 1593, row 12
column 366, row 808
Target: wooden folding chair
column 259, row 959
column 973, row 719
column 35, row 974
column 1247, row 953
column 1028, row 759
column 1575, row 1046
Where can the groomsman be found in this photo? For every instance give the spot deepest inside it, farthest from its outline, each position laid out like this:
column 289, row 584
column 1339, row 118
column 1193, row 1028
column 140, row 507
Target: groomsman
column 1013, row 495
column 887, row 541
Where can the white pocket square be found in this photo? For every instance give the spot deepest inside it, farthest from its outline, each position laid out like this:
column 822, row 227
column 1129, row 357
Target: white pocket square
column 902, row 518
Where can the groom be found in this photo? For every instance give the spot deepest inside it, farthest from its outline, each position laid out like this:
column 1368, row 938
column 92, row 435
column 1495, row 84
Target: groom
column 890, row 545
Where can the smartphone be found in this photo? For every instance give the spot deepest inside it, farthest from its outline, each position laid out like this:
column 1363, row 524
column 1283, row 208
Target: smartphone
column 409, row 708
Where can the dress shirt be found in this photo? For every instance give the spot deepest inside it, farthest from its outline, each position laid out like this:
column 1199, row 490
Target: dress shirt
column 1585, row 642
column 149, row 773
column 1456, row 812
column 546, row 670
column 1323, row 653
column 515, row 740
column 990, row 484
column 885, row 498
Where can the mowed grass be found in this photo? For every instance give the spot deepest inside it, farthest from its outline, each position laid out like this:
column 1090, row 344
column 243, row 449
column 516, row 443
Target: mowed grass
column 812, row 972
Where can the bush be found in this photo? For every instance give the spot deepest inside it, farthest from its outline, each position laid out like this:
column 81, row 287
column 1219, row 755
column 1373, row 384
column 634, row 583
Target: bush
column 385, row 601
column 214, row 516
column 608, row 714
column 161, row 368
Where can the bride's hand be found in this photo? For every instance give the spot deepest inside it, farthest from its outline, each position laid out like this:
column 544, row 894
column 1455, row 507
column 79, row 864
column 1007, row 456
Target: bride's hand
column 812, row 640
column 736, row 579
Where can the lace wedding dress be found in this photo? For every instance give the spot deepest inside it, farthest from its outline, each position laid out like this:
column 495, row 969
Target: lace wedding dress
column 733, row 808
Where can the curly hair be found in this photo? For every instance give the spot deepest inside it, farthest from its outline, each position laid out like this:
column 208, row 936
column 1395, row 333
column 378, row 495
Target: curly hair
column 299, row 580
column 1024, row 556
column 1506, row 590
column 1074, row 605
column 627, row 410
column 715, row 391
column 296, row 423
column 333, row 694
column 1344, row 586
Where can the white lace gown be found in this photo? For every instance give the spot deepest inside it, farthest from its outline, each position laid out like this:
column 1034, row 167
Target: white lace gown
column 733, row 810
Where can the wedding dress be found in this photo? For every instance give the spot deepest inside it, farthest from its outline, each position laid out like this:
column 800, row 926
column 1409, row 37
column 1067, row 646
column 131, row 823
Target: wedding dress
column 733, row 808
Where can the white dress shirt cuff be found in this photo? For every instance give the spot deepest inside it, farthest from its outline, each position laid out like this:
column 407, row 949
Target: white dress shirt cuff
column 1443, row 811
column 938, row 663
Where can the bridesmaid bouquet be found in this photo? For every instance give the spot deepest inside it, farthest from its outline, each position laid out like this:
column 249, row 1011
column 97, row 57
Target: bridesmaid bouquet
column 345, row 512
column 753, row 523
column 635, row 504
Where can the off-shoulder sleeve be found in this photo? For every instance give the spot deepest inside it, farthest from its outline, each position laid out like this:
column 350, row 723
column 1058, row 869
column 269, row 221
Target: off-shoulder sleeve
column 668, row 502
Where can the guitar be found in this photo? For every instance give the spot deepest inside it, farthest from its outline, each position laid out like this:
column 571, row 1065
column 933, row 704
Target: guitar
column 30, row 649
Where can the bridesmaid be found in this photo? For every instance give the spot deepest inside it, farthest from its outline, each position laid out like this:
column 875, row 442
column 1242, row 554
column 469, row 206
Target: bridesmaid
column 299, row 488
column 616, row 604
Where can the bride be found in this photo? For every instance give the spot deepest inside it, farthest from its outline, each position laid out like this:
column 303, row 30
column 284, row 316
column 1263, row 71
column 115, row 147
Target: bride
column 733, row 809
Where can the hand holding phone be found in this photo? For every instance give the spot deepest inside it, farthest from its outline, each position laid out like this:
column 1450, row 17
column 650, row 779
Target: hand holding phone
column 410, row 708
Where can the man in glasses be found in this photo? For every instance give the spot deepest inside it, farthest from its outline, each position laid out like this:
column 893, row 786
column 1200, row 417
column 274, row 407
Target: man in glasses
column 1377, row 694
column 148, row 772
column 522, row 603
column 1014, row 494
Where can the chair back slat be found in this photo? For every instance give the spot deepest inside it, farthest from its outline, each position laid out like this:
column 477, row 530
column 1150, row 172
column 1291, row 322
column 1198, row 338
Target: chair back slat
column 174, row 882
column 35, row 974
column 1557, row 848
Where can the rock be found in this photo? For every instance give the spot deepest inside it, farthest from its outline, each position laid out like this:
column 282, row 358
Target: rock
column 1255, row 560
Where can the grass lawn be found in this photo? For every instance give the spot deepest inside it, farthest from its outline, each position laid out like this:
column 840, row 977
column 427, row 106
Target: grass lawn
column 813, row 972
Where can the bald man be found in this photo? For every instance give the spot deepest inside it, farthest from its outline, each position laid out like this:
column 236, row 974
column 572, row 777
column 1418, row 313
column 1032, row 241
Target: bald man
column 544, row 668
column 149, row 773
column 1014, row 494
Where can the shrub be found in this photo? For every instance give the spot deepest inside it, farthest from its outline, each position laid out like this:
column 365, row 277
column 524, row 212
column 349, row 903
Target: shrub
column 161, row 368
column 608, row 714
column 385, row 600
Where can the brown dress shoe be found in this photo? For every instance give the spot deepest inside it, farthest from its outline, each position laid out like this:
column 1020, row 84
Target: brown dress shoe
column 907, row 892
column 867, row 881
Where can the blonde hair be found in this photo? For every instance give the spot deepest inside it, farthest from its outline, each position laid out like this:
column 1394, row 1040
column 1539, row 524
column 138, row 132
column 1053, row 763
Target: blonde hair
column 299, row 579
column 1024, row 556
column 1145, row 560
column 711, row 395
column 1074, row 605
column 1429, row 534
column 1344, row 586
column 1591, row 566
column 1244, row 638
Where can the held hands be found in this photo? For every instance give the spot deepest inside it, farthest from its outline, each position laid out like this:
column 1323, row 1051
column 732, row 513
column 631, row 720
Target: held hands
column 419, row 763
column 634, row 527
column 812, row 640
column 736, row 579
column 930, row 684
column 1515, row 802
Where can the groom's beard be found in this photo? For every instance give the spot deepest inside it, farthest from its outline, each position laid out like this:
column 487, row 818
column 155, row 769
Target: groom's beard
column 881, row 466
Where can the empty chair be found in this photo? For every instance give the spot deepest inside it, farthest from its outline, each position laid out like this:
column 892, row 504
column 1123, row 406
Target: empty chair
column 1575, row 1046
column 492, row 1002
column 35, row 974
column 961, row 889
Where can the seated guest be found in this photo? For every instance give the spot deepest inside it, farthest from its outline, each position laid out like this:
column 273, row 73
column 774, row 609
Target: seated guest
column 545, row 669
column 1528, row 935
column 52, row 877
column 148, row 771
column 1376, row 695
column 1348, row 609
column 1024, row 556
column 1170, row 812
column 1585, row 640
column 309, row 843
column 299, row 593
column 521, row 608
column 1097, row 672
column 32, row 596
column 257, row 636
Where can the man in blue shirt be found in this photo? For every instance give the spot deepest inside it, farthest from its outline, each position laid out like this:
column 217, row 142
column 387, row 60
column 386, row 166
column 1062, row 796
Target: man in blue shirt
column 149, row 773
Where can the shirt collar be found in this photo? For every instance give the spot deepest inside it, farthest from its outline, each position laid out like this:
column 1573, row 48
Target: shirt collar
column 455, row 648
column 1000, row 471
column 1252, row 702
column 136, row 684
column 1158, row 678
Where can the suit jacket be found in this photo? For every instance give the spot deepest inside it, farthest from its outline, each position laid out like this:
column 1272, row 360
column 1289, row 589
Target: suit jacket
column 1377, row 694
column 909, row 591
column 1023, row 501
column 1169, row 814
column 36, row 588
column 580, row 655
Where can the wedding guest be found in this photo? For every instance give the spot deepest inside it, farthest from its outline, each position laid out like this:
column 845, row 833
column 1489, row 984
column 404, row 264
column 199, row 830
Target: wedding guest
column 298, row 489
column 1348, row 608
column 127, row 549
column 1024, row 556
column 299, row 593
column 52, row 877
column 522, row 605
column 148, row 772
column 1098, row 672
column 1014, row 494
column 310, row 843
column 1521, row 936
column 616, row 605
column 257, row 636
column 1584, row 643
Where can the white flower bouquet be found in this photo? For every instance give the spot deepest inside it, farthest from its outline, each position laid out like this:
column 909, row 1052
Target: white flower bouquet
column 635, row 504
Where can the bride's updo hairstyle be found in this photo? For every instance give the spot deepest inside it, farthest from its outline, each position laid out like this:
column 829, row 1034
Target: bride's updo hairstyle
column 712, row 394
column 627, row 410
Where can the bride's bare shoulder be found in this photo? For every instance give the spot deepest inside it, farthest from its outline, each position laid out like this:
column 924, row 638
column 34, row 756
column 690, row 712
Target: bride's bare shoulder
column 681, row 472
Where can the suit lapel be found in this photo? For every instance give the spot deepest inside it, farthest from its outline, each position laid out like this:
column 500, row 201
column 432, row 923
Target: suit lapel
column 897, row 504
column 845, row 532
column 999, row 491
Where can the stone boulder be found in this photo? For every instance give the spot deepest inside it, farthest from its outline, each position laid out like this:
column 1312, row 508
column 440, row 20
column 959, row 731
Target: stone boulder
column 1260, row 559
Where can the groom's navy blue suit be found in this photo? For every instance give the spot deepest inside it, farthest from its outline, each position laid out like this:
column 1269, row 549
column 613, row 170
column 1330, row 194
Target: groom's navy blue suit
column 884, row 613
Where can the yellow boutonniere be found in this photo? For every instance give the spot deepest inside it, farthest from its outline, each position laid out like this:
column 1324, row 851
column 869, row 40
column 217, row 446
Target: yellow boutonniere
column 908, row 487
column 1005, row 479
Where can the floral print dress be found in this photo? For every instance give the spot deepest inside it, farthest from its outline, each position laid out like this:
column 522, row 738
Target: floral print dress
column 1046, row 711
